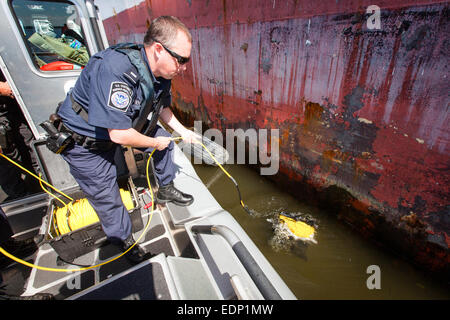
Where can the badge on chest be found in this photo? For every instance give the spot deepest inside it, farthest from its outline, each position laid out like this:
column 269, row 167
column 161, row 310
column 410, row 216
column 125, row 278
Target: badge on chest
column 120, row 96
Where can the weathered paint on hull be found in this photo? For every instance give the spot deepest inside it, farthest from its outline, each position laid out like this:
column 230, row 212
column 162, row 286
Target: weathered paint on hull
column 363, row 114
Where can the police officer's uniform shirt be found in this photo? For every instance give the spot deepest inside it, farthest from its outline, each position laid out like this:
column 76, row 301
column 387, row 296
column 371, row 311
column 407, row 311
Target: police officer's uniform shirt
column 108, row 89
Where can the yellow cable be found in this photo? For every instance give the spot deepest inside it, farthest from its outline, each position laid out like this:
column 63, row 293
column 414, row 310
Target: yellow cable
column 35, row 176
column 54, row 217
column 126, row 198
column 145, row 230
column 217, row 162
column 80, row 213
column 299, row 228
column 229, row 176
column 43, row 188
column 84, row 268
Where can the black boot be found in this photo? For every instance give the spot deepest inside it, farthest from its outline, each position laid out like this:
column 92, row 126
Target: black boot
column 169, row 193
column 137, row 254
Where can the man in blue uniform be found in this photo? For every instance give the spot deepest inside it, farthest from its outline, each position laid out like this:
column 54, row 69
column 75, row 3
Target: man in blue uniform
column 108, row 107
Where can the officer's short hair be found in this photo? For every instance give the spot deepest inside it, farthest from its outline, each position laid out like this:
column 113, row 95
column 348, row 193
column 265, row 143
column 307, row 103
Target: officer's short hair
column 164, row 29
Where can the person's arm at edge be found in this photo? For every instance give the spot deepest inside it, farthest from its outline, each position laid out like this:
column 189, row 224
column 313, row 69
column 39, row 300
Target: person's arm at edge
column 131, row 137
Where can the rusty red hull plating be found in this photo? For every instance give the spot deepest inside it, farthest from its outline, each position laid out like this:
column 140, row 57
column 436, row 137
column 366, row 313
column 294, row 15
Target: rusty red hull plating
column 363, row 114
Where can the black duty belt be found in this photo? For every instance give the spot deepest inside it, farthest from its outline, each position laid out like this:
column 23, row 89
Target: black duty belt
column 89, row 143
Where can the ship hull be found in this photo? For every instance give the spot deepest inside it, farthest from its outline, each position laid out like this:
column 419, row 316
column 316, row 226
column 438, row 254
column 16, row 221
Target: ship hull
column 362, row 112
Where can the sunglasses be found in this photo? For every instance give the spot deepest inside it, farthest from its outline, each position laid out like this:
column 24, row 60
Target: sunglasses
column 180, row 59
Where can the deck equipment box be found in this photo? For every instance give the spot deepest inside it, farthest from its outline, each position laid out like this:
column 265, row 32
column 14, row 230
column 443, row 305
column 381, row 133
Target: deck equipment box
column 76, row 243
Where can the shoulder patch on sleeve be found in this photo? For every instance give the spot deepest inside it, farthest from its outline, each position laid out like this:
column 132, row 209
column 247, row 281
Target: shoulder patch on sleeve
column 120, row 96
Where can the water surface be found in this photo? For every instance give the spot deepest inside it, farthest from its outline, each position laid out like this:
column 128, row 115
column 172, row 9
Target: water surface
column 335, row 267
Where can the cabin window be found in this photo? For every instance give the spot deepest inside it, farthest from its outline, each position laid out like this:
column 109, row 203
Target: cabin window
column 53, row 34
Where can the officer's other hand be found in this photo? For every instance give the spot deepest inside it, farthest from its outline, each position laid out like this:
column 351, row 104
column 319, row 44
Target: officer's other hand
column 5, row 89
column 162, row 143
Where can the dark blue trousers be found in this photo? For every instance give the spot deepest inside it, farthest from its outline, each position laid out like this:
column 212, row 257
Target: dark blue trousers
column 96, row 175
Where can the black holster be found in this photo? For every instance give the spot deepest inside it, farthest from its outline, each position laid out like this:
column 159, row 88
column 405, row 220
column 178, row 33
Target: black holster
column 57, row 141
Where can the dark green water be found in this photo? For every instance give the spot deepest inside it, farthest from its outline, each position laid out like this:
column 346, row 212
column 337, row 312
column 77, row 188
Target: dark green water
column 335, row 267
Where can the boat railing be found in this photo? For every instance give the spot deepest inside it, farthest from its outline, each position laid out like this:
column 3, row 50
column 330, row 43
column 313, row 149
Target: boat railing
column 263, row 284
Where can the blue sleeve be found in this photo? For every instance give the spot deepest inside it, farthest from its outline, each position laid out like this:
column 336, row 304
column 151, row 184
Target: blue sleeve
column 111, row 98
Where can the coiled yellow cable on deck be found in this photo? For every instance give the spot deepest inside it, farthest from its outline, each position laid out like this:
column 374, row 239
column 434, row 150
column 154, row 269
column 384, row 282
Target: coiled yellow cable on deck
column 79, row 213
column 31, row 265
column 126, row 198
